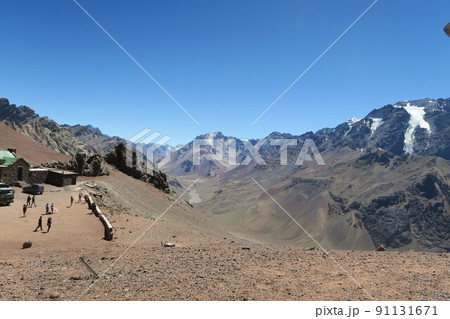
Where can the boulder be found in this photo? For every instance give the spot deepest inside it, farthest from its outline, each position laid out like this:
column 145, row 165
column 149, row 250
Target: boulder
column 381, row 248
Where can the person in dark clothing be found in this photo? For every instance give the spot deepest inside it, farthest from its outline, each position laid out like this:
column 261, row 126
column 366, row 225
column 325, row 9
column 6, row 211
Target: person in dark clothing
column 25, row 209
column 29, row 201
column 49, row 224
column 39, row 224
column 33, row 201
column 71, row 201
column 47, row 209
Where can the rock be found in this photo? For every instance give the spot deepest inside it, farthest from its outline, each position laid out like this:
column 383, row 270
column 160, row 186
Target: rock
column 381, row 248
column 27, row 244
column 75, row 278
column 245, row 248
column 83, row 164
column 54, row 295
column 166, row 244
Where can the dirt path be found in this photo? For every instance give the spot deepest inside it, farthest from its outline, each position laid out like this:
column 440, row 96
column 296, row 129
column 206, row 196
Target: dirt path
column 72, row 226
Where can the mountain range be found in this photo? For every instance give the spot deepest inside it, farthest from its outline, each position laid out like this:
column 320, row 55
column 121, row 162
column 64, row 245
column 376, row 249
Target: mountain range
column 385, row 180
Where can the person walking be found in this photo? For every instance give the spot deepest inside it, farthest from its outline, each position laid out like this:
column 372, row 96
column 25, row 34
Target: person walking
column 33, row 201
column 29, row 201
column 47, row 209
column 25, row 210
column 79, row 197
column 53, row 207
column 49, row 224
column 39, row 224
column 71, row 201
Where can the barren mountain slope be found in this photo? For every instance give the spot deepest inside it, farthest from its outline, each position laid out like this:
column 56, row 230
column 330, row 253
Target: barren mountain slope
column 29, row 149
column 356, row 201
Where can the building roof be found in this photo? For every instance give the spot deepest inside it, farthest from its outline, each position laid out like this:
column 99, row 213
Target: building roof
column 7, row 158
column 61, row 172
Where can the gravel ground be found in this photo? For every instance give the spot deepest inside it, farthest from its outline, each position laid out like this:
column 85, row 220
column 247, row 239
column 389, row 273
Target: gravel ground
column 206, row 264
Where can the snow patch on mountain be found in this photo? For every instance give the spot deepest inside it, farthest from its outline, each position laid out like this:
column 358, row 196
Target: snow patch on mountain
column 416, row 120
column 376, row 122
column 352, row 121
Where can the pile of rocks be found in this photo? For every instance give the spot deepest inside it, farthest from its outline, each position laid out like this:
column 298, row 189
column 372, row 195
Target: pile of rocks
column 83, row 164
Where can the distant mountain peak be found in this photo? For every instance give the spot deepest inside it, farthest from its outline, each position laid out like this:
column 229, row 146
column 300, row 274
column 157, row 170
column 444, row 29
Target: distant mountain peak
column 211, row 135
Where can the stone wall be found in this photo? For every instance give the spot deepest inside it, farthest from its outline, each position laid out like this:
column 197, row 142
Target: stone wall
column 16, row 172
column 108, row 228
column 37, row 176
column 61, row 179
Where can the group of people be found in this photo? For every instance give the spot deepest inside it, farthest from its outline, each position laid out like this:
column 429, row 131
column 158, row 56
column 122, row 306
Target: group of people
column 49, row 209
column 49, row 224
column 32, row 201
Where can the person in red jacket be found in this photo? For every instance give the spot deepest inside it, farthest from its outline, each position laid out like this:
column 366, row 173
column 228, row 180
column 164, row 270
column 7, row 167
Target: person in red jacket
column 71, row 201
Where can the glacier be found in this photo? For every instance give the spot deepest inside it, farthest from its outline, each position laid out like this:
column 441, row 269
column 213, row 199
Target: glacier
column 416, row 120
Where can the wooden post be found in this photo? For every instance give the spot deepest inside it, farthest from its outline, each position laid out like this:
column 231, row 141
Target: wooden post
column 89, row 267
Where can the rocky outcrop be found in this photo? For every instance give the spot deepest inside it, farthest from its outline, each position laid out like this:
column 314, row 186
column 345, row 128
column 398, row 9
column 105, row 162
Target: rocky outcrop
column 418, row 215
column 83, row 164
column 126, row 161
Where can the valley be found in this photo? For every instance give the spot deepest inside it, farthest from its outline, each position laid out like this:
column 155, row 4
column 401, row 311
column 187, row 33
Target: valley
column 384, row 181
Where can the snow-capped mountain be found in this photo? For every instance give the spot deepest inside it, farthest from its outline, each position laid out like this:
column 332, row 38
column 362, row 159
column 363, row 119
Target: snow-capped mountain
column 418, row 127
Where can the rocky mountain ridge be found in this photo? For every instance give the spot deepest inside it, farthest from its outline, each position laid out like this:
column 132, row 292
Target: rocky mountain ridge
column 41, row 129
column 417, row 127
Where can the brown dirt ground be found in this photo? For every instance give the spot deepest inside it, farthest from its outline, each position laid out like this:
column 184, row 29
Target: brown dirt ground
column 206, row 264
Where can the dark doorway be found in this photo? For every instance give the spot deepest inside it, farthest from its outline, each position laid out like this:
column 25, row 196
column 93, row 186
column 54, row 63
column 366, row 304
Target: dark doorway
column 20, row 174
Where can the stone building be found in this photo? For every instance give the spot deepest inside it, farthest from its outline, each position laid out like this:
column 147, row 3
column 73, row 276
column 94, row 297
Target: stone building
column 61, row 178
column 14, row 170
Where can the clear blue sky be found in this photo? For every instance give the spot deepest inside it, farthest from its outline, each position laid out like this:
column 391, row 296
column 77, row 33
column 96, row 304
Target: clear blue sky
column 224, row 61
